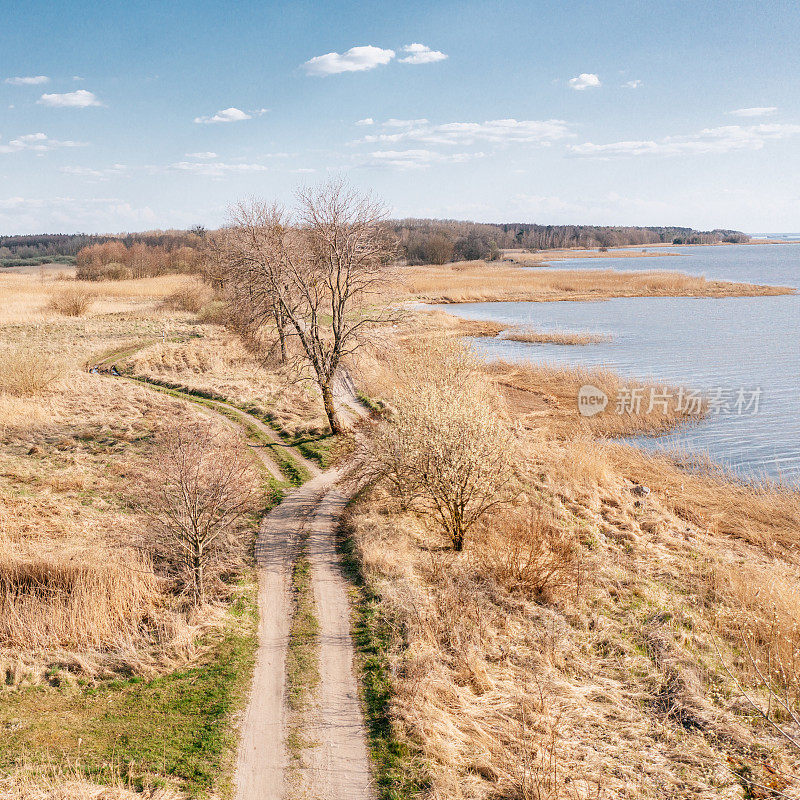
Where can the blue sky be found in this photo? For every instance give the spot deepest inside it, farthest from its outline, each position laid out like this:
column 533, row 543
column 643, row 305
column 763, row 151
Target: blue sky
column 117, row 116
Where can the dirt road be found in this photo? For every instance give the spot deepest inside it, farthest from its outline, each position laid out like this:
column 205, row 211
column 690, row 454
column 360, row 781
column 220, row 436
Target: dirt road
column 338, row 763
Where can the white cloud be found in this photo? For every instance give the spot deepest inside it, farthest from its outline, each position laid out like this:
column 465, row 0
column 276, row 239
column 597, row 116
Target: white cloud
column 77, row 99
column 77, row 78
column 404, row 123
column 634, row 84
column 226, row 115
column 586, row 80
column 356, row 59
column 36, row 142
column 30, row 80
column 414, row 159
column 365, row 121
column 421, row 54
column 216, row 169
column 496, row 131
column 201, row 156
column 73, row 214
column 724, row 139
column 100, row 174
column 756, row 111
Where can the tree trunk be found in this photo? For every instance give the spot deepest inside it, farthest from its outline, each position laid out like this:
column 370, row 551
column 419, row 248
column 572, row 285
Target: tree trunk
column 330, row 408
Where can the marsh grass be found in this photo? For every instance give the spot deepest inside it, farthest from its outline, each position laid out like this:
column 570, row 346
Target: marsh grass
column 27, row 370
column 480, row 282
column 67, row 600
column 529, row 336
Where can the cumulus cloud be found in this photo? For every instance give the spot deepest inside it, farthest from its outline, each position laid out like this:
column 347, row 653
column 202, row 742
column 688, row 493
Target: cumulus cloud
column 634, row 84
column 226, row 115
column 586, row 80
column 496, row 131
column 30, row 80
column 356, row 59
column 77, row 99
column 421, row 54
column 216, row 169
column 414, row 159
column 365, row 121
column 756, row 111
column 205, row 156
column 724, row 139
column 36, row 142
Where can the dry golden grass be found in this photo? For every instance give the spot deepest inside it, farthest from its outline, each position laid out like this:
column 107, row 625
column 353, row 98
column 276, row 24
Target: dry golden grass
column 218, row 362
column 553, row 337
column 479, row 282
column 26, row 298
column 191, row 297
column 67, row 600
column 69, row 784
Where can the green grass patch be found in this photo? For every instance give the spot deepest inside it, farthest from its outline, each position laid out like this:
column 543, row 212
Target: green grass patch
column 173, row 729
column 399, row 767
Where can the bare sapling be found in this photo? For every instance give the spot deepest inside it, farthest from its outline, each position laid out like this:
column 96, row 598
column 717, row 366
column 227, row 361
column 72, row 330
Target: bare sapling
column 205, row 490
column 312, row 276
column 447, row 448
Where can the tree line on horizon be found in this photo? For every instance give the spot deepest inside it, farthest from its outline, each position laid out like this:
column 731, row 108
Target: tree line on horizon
column 421, row 241
column 430, row 241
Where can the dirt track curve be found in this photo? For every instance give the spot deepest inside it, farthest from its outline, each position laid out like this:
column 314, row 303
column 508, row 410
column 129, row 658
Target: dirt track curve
column 339, row 763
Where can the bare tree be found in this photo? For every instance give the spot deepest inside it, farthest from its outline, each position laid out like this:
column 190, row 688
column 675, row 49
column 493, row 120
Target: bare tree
column 313, row 275
column 204, row 490
column 446, row 450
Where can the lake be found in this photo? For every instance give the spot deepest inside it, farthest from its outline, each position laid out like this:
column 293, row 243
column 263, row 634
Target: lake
column 744, row 351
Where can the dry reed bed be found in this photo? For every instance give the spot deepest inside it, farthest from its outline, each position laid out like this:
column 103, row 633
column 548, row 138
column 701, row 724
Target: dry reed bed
column 480, row 282
column 28, row 298
column 529, row 336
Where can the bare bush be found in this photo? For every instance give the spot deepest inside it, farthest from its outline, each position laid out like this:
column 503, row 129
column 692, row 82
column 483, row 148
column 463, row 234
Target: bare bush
column 27, row 370
column 192, row 298
column 529, row 549
column 447, row 448
column 71, row 302
column 204, row 491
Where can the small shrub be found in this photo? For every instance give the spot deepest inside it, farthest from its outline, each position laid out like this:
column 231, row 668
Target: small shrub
column 203, row 493
column 528, row 550
column 191, row 298
column 216, row 312
column 25, row 370
column 71, row 302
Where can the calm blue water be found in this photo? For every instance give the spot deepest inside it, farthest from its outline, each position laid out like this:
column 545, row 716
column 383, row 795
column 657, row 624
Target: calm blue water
column 750, row 344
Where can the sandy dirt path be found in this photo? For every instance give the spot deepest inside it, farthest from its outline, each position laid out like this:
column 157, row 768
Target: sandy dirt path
column 261, row 760
column 339, row 763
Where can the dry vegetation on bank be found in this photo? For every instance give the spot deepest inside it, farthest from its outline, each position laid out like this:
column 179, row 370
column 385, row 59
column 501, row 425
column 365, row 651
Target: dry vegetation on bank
column 586, row 641
column 480, row 282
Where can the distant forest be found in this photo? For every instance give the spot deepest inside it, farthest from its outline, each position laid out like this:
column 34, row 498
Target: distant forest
column 422, row 241
column 63, row 247
column 430, row 241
